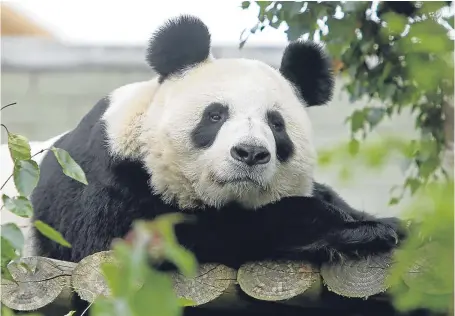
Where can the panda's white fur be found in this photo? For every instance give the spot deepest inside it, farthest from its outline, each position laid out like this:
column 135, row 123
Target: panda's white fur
column 154, row 122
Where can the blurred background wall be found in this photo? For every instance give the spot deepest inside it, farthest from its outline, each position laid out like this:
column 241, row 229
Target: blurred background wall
column 55, row 83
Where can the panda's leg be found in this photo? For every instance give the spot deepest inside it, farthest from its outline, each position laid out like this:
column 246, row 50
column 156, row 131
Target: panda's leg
column 292, row 228
column 328, row 195
column 326, row 233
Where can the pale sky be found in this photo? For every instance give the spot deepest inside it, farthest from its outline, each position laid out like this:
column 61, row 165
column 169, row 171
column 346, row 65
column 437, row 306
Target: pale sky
column 127, row 22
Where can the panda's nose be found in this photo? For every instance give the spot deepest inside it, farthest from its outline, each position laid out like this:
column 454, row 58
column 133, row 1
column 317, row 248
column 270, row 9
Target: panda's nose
column 250, row 154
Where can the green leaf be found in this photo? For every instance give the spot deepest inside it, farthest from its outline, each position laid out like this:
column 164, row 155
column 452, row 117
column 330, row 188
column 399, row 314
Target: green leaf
column 413, row 184
column 395, row 22
column 173, row 251
column 26, row 176
column 69, row 166
column 451, row 21
column 293, row 8
column 8, row 251
column 182, row 258
column 13, row 234
column 19, row 147
column 19, row 205
column 345, row 174
column 432, row 38
column 156, row 297
column 8, row 312
column 51, row 233
column 342, row 29
column 336, row 49
column 8, row 254
column 324, row 158
column 110, row 307
column 432, row 6
column 394, row 201
column 366, row 46
column 245, row 4
column 297, row 28
column 357, row 120
column 353, row 6
column 354, row 146
column 374, row 115
column 186, row 302
column 263, row 5
column 71, row 313
column 111, row 274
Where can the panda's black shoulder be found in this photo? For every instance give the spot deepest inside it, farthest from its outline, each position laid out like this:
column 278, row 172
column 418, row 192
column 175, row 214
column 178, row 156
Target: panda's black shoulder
column 88, row 146
column 117, row 192
column 324, row 192
column 83, row 143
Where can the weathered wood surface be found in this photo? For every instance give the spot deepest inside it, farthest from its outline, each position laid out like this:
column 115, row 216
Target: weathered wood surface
column 38, row 283
column 47, row 280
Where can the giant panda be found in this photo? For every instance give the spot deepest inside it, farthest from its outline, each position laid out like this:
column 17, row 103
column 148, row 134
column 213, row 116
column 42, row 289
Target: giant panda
column 226, row 140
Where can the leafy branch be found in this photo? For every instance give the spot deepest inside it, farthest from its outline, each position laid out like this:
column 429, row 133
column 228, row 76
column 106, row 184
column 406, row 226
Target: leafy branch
column 26, row 176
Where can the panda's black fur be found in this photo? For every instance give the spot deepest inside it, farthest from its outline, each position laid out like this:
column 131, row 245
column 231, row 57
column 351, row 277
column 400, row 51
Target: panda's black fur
column 193, row 37
column 317, row 228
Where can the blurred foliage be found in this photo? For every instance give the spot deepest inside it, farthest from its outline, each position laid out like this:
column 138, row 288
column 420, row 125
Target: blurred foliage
column 350, row 156
column 423, row 273
column 137, row 289
column 399, row 53
column 430, row 223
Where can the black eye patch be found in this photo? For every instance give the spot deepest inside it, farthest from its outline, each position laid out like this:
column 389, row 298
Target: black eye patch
column 213, row 117
column 284, row 145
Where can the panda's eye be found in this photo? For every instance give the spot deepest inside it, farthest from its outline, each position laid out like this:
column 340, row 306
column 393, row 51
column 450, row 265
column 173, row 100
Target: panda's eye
column 278, row 126
column 215, row 117
column 276, row 121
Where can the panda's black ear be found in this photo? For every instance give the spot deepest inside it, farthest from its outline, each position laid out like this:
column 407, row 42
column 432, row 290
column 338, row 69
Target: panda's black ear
column 181, row 42
column 306, row 65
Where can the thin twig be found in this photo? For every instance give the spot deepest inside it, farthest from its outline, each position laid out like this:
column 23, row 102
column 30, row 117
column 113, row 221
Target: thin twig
column 4, row 107
column 86, row 310
column 4, row 126
column 3, row 185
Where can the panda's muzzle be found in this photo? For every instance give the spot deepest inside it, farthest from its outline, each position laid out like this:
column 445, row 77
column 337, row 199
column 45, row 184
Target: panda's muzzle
column 250, row 154
column 237, row 180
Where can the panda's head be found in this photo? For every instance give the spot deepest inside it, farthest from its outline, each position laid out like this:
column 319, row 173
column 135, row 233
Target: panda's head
column 212, row 131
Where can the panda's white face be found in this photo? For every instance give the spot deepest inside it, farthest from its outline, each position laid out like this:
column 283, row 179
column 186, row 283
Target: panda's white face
column 227, row 130
column 213, row 131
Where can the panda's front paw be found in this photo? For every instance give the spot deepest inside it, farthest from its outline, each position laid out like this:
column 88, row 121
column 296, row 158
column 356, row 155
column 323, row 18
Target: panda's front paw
column 387, row 236
column 364, row 238
column 397, row 225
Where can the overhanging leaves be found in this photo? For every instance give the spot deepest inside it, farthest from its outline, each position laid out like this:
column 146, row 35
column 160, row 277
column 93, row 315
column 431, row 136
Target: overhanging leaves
column 13, row 235
column 69, row 166
column 51, row 233
column 19, row 147
column 19, row 205
column 26, row 176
